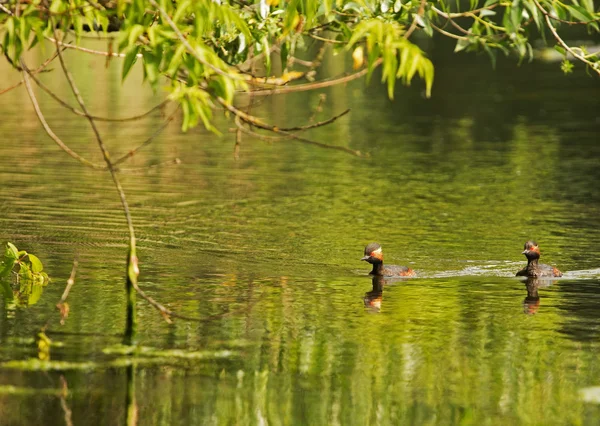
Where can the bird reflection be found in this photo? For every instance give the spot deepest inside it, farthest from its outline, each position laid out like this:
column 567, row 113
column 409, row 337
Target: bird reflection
column 374, row 297
column 531, row 304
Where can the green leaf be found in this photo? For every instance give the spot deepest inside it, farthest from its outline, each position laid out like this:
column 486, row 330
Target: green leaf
column 265, row 43
column 284, row 52
column 36, row 264
column 579, row 13
column 130, row 59
column 560, row 49
column 11, row 251
column 25, row 273
column 462, row 44
column 134, row 33
column 589, row 5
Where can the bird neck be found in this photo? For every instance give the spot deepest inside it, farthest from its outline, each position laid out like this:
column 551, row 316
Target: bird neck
column 377, row 268
column 532, row 263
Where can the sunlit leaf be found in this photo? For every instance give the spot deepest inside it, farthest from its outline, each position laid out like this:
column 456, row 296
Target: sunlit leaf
column 36, row 264
column 130, row 59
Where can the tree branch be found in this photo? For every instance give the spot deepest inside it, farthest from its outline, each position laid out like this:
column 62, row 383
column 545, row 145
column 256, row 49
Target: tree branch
column 594, row 65
column 413, row 25
column 95, row 117
column 261, row 125
column 311, row 86
column 36, row 71
column 188, row 46
column 47, row 128
column 147, row 141
column 132, row 260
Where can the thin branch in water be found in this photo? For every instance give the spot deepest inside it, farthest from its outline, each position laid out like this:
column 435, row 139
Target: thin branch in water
column 132, row 271
column 62, row 305
column 63, row 401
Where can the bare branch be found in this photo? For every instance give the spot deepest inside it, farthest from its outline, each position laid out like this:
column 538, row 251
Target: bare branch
column 147, row 141
column 62, row 306
column 70, row 282
column 462, row 14
column 47, row 128
column 413, row 25
column 261, row 125
column 314, row 125
column 446, row 33
column 63, row 401
column 188, row 46
column 95, row 117
column 318, row 85
column 86, row 50
column 132, row 270
column 36, row 71
column 594, row 65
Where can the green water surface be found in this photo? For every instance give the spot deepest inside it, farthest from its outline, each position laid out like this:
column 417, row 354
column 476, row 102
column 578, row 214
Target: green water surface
column 265, row 251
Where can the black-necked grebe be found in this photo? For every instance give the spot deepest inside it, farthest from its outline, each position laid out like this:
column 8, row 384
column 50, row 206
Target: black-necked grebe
column 374, row 255
column 533, row 268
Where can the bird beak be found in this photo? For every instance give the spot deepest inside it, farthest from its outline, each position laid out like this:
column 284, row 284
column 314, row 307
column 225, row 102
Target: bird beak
column 365, row 258
column 525, row 252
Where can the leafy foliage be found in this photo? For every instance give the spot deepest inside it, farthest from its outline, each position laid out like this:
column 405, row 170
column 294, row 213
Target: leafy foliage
column 29, row 276
column 25, row 265
column 208, row 50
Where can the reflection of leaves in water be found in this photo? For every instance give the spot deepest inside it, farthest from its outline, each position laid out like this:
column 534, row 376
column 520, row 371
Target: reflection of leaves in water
column 30, row 279
column 140, row 355
column 18, row 390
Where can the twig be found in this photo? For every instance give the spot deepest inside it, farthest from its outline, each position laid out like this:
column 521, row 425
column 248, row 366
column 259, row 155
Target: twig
column 261, row 125
column 238, row 143
column 249, row 132
column 132, row 260
column 47, row 128
column 188, row 46
column 594, row 65
column 95, row 117
column 413, row 25
column 36, row 71
column 318, row 85
column 8, row 11
column 63, row 401
column 447, row 34
column 86, row 50
column 326, row 40
column 147, row 141
column 462, row 14
column 62, row 306
column 70, row 282
column 312, row 126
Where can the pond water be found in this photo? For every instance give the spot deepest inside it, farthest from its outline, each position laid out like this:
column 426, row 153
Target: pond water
column 265, row 251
